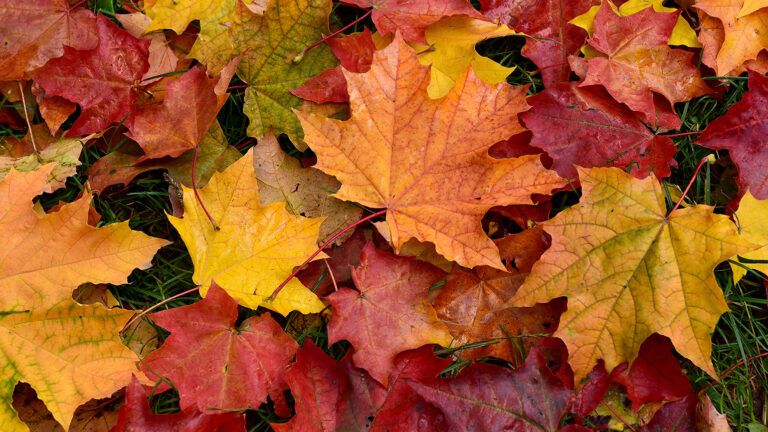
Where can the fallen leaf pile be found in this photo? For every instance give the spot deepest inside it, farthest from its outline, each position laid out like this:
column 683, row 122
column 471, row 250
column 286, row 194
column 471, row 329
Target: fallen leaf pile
column 412, row 244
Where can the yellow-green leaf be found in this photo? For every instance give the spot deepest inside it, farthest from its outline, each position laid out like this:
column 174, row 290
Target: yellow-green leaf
column 451, row 50
column 273, row 63
column 255, row 247
column 629, row 271
column 68, row 353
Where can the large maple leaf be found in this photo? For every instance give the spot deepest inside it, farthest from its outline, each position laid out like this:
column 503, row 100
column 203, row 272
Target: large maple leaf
column 744, row 36
column 46, row 256
column 487, row 397
column 102, row 80
column 554, row 39
column 630, row 270
column 254, row 248
column 35, row 31
column 637, row 61
column 426, row 160
column 410, row 18
column 68, row 353
column 215, row 364
column 583, row 126
column 392, row 294
column 742, row 131
column 271, row 43
column 136, row 416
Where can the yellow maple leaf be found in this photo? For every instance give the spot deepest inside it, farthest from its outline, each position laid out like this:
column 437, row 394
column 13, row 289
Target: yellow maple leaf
column 426, row 160
column 682, row 34
column 629, row 271
column 46, row 256
column 255, row 247
column 743, row 37
column 214, row 46
column 753, row 226
column 451, row 49
column 68, row 353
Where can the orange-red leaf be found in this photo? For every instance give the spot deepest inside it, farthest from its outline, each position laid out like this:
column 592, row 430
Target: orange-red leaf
column 427, row 160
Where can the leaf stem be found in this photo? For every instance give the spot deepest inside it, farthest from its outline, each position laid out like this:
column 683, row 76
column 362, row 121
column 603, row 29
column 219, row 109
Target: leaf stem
column 155, row 306
column 197, row 194
column 320, row 249
column 301, row 55
column 682, row 134
column 705, row 159
column 29, row 124
column 732, row 368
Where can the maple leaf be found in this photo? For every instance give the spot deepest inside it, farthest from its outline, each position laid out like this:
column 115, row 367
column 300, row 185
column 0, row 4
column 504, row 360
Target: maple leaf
column 162, row 59
column 753, row 227
column 655, row 375
column 637, row 61
column 554, row 39
column 55, row 111
column 751, row 6
column 125, row 163
column 271, row 43
column 332, row 397
column 743, row 36
column 329, row 86
column 630, row 270
column 67, row 352
column 452, row 49
column 583, row 126
column 136, row 416
column 214, row 46
column 60, row 250
column 392, row 294
column 354, row 51
column 411, row 18
column 63, row 152
column 473, row 304
column 682, row 33
column 216, row 364
column 36, row 31
column 741, row 132
column 305, row 191
column 101, row 80
column 190, row 105
column 427, row 160
column 486, row 397
column 270, row 242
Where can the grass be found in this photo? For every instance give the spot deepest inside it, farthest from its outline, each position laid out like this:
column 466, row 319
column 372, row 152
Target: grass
column 740, row 334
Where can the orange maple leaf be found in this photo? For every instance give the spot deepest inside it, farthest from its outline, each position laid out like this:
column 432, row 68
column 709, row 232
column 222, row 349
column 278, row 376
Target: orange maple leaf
column 427, row 160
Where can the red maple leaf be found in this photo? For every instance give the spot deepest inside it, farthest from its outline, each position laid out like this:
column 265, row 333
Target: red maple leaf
column 217, row 365
column 102, row 80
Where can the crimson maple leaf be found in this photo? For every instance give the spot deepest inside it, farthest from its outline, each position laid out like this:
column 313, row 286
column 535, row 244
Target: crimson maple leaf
column 102, row 80
column 743, row 131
